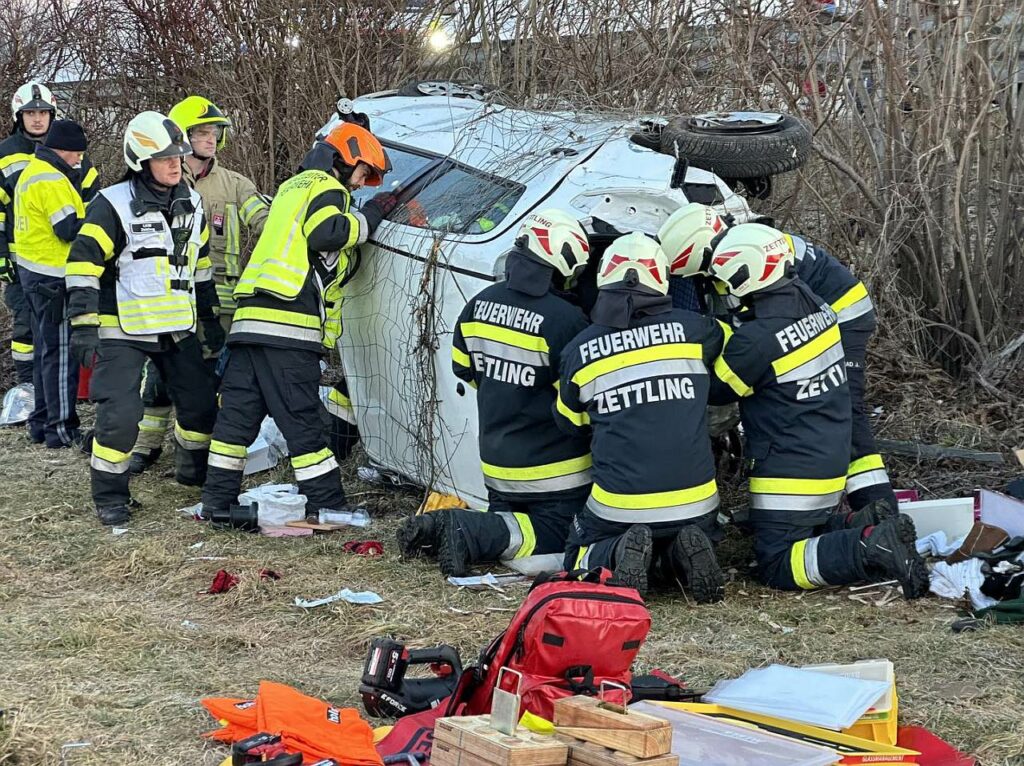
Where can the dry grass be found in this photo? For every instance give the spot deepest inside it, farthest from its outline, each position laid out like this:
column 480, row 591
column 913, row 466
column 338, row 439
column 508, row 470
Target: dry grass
column 95, row 647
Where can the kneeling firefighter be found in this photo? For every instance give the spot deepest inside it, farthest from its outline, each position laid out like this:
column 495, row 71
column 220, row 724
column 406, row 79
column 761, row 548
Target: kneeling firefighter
column 637, row 380
column 785, row 366
column 688, row 237
column 289, row 316
column 508, row 344
column 138, row 277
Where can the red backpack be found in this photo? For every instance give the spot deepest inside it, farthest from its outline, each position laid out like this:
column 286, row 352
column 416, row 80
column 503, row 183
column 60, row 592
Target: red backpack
column 567, row 637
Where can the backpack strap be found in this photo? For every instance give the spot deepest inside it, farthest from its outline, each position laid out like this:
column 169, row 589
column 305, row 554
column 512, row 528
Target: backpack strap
column 598, row 575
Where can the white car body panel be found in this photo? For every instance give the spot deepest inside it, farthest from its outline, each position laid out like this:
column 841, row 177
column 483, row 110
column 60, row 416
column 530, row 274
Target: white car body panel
column 395, row 304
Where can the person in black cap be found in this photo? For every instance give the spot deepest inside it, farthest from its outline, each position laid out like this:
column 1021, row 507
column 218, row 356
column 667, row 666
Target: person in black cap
column 48, row 212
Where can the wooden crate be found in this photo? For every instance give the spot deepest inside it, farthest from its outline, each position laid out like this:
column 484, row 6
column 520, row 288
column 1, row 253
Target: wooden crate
column 470, row 739
column 590, row 720
column 588, row 754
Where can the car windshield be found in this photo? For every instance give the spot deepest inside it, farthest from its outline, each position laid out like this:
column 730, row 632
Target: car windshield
column 458, row 200
column 404, row 165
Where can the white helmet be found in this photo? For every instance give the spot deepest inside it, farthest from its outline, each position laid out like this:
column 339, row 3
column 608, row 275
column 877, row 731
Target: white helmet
column 634, row 260
column 33, row 95
column 151, row 135
column 686, row 239
column 751, row 257
column 557, row 239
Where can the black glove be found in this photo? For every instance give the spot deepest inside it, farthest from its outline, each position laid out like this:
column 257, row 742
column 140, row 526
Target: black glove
column 213, row 335
column 377, row 209
column 85, row 340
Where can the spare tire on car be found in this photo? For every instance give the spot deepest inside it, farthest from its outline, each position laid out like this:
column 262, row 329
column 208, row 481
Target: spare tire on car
column 738, row 145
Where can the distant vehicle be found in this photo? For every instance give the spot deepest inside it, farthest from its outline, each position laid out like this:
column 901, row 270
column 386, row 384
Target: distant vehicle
column 466, row 171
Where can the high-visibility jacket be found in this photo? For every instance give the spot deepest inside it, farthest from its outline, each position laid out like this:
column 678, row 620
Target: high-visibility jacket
column 830, row 279
column 508, row 345
column 289, row 295
column 784, row 363
column 643, row 393
column 15, row 153
column 230, row 201
column 140, row 266
column 48, row 211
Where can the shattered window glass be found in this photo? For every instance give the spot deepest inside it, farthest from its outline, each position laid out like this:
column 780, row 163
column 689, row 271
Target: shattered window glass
column 459, row 201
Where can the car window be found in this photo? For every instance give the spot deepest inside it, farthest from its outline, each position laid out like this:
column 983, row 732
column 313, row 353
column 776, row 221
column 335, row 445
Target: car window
column 404, row 165
column 458, row 200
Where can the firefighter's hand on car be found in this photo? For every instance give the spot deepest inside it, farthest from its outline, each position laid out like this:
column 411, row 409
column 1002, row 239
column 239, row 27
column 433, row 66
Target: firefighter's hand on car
column 377, row 209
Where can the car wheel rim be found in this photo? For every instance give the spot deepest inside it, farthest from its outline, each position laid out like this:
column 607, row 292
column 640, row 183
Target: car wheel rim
column 736, row 122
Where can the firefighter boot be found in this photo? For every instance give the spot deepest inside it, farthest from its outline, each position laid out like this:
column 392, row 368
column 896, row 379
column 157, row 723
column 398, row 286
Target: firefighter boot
column 885, row 556
column 470, row 537
column 632, row 557
column 118, row 514
column 417, row 535
column 142, row 461
column 695, row 564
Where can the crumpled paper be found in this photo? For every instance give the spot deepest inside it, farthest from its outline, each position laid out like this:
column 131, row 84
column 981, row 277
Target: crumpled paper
column 352, row 597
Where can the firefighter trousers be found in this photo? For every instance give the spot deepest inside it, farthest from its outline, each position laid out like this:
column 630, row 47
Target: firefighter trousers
column 55, row 373
column 344, row 432
column 21, row 331
column 157, row 406
column 116, row 385
column 794, row 551
column 286, row 384
column 514, row 528
column 592, row 540
column 866, row 480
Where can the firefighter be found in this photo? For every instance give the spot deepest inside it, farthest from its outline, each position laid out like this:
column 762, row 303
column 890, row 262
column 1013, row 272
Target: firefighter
column 33, row 108
column 139, row 278
column 288, row 316
column 687, row 236
column 508, row 342
column 48, row 212
column 785, row 365
column 637, row 380
column 230, row 200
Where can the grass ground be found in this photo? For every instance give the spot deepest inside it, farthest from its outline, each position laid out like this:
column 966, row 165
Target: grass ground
column 108, row 640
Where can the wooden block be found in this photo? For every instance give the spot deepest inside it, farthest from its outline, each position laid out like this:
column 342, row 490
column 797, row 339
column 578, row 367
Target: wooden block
column 314, row 527
column 443, row 754
column 474, row 735
column 588, row 754
column 643, row 744
column 590, row 712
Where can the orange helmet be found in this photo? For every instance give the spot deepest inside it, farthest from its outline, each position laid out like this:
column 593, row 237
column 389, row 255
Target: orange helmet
column 355, row 144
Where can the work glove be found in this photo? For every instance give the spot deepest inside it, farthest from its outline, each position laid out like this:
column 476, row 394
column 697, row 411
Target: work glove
column 377, row 209
column 213, row 335
column 85, row 340
column 6, row 269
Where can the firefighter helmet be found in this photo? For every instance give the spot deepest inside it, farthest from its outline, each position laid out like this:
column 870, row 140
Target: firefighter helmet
column 33, row 95
column 195, row 111
column 634, row 260
column 150, row 136
column 686, row 239
column 751, row 257
column 354, row 144
column 556, row 239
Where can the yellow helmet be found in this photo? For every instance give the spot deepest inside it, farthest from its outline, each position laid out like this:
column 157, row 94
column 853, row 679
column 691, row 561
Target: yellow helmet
column 196, row 110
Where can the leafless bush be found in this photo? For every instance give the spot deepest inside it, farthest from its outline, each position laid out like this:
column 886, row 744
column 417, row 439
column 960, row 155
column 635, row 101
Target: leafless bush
column 915, row 106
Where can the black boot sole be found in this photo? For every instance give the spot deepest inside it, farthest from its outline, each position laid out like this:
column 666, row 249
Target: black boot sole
column 916, row 584
column 110, row 520
column 693, row 553
column 907, row 531
column 417, row 536
column 633, row 558
column 452, row 553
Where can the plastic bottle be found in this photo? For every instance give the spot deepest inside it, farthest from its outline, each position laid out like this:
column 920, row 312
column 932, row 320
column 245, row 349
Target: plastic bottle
column 353, row 517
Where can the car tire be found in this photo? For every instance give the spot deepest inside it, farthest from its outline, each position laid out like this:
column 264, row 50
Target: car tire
column 474, row 90
column 738, row 152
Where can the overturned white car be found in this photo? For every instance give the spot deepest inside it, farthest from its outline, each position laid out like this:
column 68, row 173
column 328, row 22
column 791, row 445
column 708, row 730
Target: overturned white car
column 467, row 171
